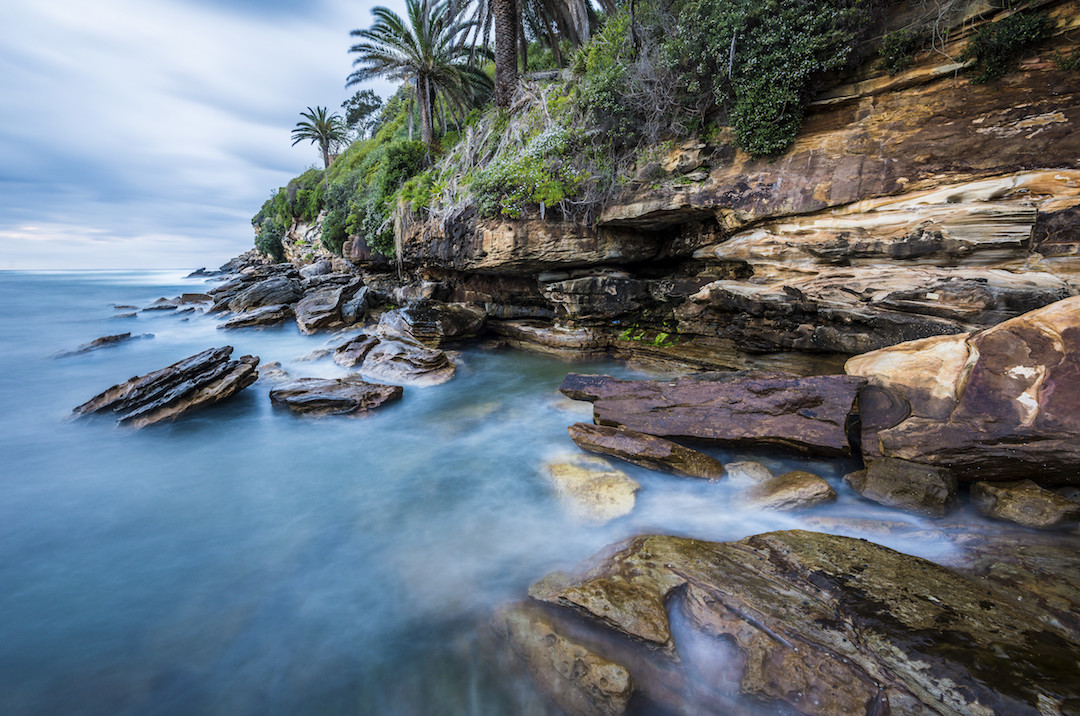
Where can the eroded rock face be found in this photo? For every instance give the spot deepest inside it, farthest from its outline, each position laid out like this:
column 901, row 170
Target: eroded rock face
column 824, row 624
column 922, row 489
column 353, row 352
column 333, row 396
column 1024, row 503
column 274, row 291
column 591, row 490
column 405, row 361
column 556, row 340
column 646, row 450
column 990, row 405
column 262, row 316
column 321, row 307
column 163, row 395
column 795, row 490
column 433, row 323
column 803, row 414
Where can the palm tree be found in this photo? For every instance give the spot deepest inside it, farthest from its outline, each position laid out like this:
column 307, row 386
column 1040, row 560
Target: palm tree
column 328, row 131
column 430, row 53
column 507, row 26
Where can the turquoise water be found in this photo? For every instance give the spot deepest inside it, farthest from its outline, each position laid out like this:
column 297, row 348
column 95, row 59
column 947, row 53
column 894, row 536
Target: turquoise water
column 245, row 561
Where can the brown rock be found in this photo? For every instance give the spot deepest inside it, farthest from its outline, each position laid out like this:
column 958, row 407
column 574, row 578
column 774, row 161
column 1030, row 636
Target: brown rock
column 795, row 490
column 991, row 404
column 263, row 316
column 592, row 490
column 646, row 450
column 163, row 395
column 103, row 342
column 1024, row 503
column 747, row 471
column 333, row 396
column 922, row 489
column 406, row 361
column 321, row 308
column 433, row 323
column 804, row 414
column 353, row 352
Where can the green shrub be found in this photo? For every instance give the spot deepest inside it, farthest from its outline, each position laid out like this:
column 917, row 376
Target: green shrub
column 995, row 48
column 898, row 50
column 1069, row 62
column 268, row 239
column 540, row 176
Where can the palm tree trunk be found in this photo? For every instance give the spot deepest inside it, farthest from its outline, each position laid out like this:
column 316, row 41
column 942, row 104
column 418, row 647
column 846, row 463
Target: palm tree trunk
column 523, row 42
column 427, row 129
column 325, row 154
column 507, row 27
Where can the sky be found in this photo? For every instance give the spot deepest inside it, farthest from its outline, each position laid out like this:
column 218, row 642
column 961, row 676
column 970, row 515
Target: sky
column 138, row 134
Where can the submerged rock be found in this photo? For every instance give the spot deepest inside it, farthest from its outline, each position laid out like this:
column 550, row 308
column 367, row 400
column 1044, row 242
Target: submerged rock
column 400, row 360
column 819, row 624
column 993, row 404
column 592, row 490
column 922, row 489
column 163, row 304
column 646, row 450
column 195, row 382
column 747, row 471
column 333, row 396
column 262, row 316
column 1024, row 503
column 103, row 342
column 795, row 490
column 804, row 414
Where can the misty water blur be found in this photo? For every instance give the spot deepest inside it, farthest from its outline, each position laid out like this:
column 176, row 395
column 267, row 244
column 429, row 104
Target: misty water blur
column 243, row 560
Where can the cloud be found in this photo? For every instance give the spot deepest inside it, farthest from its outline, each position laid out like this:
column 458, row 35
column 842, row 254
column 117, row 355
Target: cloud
column 155, row 130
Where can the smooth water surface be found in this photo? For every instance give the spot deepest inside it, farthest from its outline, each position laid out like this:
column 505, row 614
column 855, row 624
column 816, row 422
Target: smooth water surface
column 245, row 561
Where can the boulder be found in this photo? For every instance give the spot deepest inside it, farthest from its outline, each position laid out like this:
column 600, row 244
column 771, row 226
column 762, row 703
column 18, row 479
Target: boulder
column 818, row 624
column 355, row 309
column 319, row 268
column 990, row 405
column 795, row 490
column 195, row 382
column 333, row 396
column 262, row 316
column 576, row 679
column 273, row 291
column 352, row 353
column 321, row 308
column 433, row 323
column 196, row 298
column 405, row 361
column 808, row 415
column 646, row 450
column 922, row 489
column 592, row 490
column 164, row 304
column 747, row 472
column 1024, row 503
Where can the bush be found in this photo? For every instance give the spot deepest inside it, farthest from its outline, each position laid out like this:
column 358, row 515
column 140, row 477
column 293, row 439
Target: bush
column 996, row 47
column 898, row 50
column 539, row 176
column 268, row 239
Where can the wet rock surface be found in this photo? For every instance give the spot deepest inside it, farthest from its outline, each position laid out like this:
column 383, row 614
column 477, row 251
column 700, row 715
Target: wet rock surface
column 795, row 490
column 433, row 323
column 321, row 307
column 646, row 450
column 333, row 396
column 352, row 353
column 1024, row 503
column 104, row 342
column 803, row 414
column 262, row 316
column 990, row 405
column 163, row 395
column 921, row 489
column 591, row 490
column 820, row 624
column 405, row 361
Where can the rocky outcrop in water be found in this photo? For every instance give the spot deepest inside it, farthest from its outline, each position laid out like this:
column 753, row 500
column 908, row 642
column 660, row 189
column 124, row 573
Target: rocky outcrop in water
column 275, row 291
column 802, row 414
column 646, row 450
column 814, row 623
column 591, row 490
column 795, row 490
column 433, row 323
column 909, row 486
column 262, row 316
column 196, row 382
column 333, row 396
column 995, row 404
column 398, row 360
column 1024, row 503
column 103, row 342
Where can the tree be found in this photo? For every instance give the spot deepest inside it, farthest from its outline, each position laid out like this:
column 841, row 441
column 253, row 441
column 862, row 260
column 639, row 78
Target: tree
column 360, row 111
column 507, row 26
column 327, row 131
column 430, row 52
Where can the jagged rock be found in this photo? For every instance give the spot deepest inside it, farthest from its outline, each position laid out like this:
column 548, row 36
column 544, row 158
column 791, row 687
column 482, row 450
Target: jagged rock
column 571, row 343
column 163, row 304
column 353, row 352
column 321, row 308
column 602, row 297
column 820, row 624
column 645, row 450
column 804, row 414
column 355, row 309
column 795, row 490
column 103, row 342
column 262, row 316
column 747, row 472
column 592, row 490
column 578, row 680
column 991, row 405
column 200, row 380
column 922, row 489
column 333, row 396
column 319, row 268
column 199, row 272
column 401, row 360
column 273, row 372
column 273, row 291
column 1024, row 503
column 196, row 298
column 433, row 323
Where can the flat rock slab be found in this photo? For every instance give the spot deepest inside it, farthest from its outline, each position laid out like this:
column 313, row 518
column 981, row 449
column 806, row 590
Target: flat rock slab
column 1024, row 503
column 195, row 382
column 645, row 450
column 822, row 624
column 333, row 396
column 591, row 490
column 795, row 490
column 808, row 415
column 922, row 489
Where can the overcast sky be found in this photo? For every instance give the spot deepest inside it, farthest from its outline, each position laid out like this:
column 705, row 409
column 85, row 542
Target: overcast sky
column 138, row 133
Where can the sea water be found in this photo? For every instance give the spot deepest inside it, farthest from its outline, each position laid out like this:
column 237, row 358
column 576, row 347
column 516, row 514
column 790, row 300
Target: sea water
column 243, row 560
